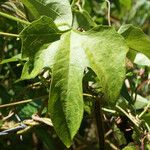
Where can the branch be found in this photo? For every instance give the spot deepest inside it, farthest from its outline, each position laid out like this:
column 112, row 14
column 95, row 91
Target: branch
column 21, row 102
column 14, row 18
column 144, row 111
column 133, row 119
column 108, row 14
column 9, row 34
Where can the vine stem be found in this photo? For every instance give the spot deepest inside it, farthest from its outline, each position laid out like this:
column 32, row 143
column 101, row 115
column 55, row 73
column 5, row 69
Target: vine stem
column 14, row 18
column 108, row 14
column 132, row 118
column 99, row 122
column 104, row 109
column 112, row 145
column 144, row 111
column 9, row 34
column 73, row 2
column 21, row 102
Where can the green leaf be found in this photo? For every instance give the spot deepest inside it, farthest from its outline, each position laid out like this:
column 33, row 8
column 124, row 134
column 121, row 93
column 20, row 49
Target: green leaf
column 142, row 60
column 131, row 55
column 131, row 147
column 1, row 123
column 58, row 10
column 87, row 5
column 43, row 59
column 66, row 89
column 124, row 92
column 140, row 102
column 126, row 3
column 81, row 19
column 68, row 57
column 12, row 59
column 136, row 39
column 76, row 51
column 47, row 139
column 37, row 35
column 103, row 45
column 26, row 111
column 146, row 117
column 148, row 146
column 5, row 97
column 119, row 135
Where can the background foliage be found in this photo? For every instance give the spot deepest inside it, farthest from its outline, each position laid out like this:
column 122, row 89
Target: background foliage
column 126, row 125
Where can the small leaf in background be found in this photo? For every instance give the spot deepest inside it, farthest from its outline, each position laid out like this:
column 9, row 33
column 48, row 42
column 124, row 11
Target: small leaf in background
column 148, row 146
column 140, row 102
column 43, row 59
column 119, row 135
column 59, row 11
column 29, row 109
column 5, row 97
column 38, row 33
column 131, row 147
column 136, row 39
column 81, row 19
column 146, row 118
column 42, row 134
column 142, row 60
column 126, row 3
column 1, row 123
column 13, row 59
column 86, row 5
column 124, row 92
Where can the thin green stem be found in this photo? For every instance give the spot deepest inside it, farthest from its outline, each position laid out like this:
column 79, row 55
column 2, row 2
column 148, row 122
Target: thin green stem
column 144, row 111
column 9, row 34
column 73, row 2
column 16, row 11
column 104, row 109
column 109, row 110
column 14, row 18
column 132, row 118
column 88, row 95
column 108, row 14
column 78, row 5
column 21, row 102
column 112, row 145
column 147, row 126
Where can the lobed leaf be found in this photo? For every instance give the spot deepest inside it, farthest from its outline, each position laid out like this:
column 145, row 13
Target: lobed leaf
column 101, row 49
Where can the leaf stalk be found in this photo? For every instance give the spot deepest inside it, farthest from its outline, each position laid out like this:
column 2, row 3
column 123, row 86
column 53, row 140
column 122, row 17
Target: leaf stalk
column 9, row 34
column 14, row 18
